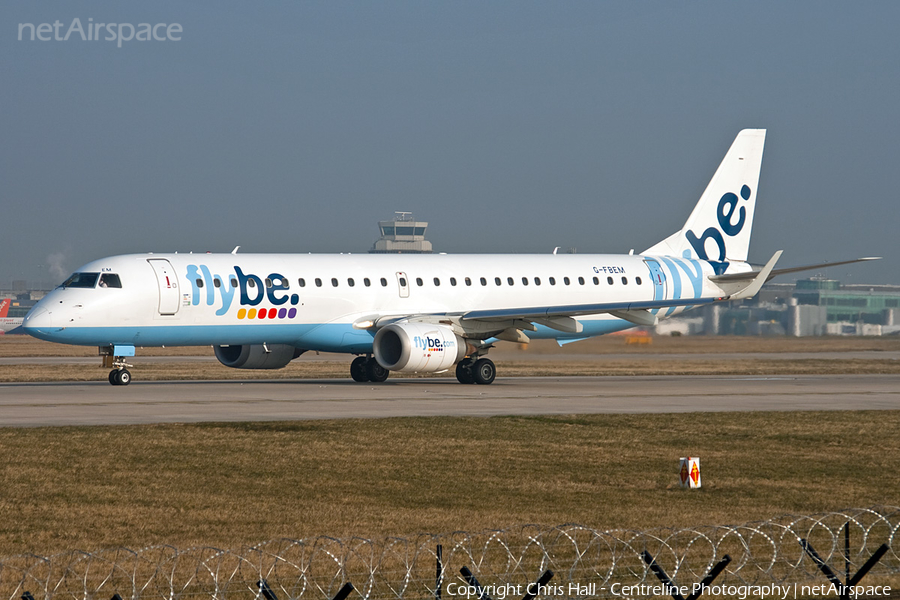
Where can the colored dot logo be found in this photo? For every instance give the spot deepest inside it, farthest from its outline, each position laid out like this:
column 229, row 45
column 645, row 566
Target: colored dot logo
column 267, row 313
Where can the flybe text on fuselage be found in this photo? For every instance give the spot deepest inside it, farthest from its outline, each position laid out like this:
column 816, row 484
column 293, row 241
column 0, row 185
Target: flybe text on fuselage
column 251, row 289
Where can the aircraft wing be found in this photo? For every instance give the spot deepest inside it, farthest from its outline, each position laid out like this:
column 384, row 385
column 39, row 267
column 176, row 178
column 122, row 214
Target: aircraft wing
column 561, row 316
column 576, row 310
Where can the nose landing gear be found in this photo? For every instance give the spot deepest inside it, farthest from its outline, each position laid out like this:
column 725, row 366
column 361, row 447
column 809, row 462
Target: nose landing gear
column 120, row 375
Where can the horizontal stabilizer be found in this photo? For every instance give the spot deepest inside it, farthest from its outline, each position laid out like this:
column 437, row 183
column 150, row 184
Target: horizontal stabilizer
column 761, row 277
column 738, row 277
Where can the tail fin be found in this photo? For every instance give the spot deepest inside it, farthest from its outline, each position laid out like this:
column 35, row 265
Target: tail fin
column 4, row 308
column 718, row 229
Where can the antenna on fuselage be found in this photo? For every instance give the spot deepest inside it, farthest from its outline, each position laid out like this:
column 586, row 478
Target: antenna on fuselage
column 235, row 250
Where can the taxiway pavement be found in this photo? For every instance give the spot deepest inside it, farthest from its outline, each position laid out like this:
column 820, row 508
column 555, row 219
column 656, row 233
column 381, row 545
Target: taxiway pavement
column 96, row 403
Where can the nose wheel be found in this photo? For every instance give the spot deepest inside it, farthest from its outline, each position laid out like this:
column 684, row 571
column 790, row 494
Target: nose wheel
column 120, row 376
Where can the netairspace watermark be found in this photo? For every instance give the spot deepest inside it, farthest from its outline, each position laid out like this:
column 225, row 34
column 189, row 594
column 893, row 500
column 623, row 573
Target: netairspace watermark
column 92, row 32
column 740, row 592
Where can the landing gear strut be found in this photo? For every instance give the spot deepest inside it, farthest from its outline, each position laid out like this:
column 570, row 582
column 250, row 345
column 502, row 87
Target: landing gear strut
column 481, row 371
column 120, row 375
column 366, row 368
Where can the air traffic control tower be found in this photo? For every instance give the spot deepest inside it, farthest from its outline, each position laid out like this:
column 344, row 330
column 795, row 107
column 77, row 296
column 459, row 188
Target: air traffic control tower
column 402, row 235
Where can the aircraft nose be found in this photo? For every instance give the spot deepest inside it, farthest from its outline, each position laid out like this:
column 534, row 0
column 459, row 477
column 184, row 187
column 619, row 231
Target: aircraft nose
column 38, row 318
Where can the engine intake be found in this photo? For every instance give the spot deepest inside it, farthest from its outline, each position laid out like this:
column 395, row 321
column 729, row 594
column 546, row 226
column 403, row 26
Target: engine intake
column 418, row 347
column 255, row 356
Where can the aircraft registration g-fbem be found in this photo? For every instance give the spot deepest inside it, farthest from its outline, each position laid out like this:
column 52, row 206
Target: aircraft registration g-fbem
column 410, row 313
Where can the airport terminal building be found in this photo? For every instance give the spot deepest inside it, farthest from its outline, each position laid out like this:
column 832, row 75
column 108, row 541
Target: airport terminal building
column 814, row 306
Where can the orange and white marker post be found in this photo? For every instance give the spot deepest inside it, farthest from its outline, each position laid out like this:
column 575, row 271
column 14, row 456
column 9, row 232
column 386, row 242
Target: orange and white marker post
column 689, row 474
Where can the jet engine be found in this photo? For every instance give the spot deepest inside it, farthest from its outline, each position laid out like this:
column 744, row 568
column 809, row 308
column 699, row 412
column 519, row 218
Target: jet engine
column 257, row 356
column 418, row 347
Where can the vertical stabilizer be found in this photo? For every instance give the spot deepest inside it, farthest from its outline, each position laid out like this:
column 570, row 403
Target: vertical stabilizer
column 4, row 308
column 718, row 229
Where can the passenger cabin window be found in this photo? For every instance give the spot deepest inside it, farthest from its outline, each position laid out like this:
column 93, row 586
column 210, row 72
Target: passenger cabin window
column 334, row 282
column 367, row 282
column 318, row 282
column 111, row 280
column 302, row 282
column 453, row 281
column 251, row 282
column 350, row 282
column 609, row 280
column 624, row 281
column 596, row 281
column 468, row 281
column 581, row 280
column 216, row 282
column 483, row 281
column 200, row 282
column 268, row 282
column 234, row 282
column 537, row 281
column 403, row 282
column 637, row 280
column 384, row 282
column 497, row 280
column 509, row 280
column 81, row 280
column 566, row 280
column 552, row 281
column 524, row 281
column 437, row 282
column 419, row 281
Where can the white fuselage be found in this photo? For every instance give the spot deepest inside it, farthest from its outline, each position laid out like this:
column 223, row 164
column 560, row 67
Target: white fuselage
column 317, row 302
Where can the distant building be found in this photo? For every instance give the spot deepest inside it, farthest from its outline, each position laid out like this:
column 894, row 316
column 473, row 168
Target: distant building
column 814, row 306
column 402, row 235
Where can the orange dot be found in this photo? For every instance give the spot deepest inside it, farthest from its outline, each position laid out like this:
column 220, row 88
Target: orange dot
column 251, row 313
column 242, row 313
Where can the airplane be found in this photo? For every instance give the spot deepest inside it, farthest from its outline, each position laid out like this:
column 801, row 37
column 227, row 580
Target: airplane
column 7, row 323
column 410, row 312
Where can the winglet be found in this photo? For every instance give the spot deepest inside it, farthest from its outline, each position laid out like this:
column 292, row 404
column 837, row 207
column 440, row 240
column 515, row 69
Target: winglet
column 755, row 285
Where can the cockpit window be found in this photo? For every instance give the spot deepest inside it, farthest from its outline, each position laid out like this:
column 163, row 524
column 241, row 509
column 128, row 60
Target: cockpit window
column 110, row 280
column 81, row 280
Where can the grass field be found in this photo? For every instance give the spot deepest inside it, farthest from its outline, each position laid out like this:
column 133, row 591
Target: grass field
column 229, row 484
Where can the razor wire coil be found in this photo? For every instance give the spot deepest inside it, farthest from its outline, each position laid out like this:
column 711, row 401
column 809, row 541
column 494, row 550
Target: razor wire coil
column 397, row 568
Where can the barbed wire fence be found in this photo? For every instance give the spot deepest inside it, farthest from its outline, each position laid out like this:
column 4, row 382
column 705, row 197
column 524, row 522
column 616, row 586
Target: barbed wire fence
column 427, row 566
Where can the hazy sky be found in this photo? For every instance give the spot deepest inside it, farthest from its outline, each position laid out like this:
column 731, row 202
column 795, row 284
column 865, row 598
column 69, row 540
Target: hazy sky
column 510, row 126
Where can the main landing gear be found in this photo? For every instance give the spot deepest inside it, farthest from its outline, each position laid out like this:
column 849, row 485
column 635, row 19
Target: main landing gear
column 481, row 371
column 366, row 368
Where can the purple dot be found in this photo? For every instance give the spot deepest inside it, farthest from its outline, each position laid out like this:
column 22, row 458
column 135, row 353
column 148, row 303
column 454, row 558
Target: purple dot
column 292, row 313
column 281, row 313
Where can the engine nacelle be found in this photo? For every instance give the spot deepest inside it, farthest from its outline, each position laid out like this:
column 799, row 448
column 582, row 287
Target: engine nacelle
column 418, row 347
column 255, row 356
